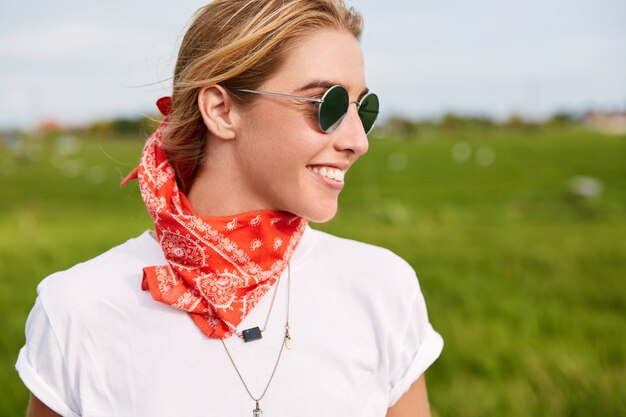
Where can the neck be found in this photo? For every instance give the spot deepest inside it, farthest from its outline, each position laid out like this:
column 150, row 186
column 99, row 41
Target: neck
column 220, row 188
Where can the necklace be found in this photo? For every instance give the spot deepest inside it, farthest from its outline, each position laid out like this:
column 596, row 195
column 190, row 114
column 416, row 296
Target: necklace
column 254, row 333
column 257, row 412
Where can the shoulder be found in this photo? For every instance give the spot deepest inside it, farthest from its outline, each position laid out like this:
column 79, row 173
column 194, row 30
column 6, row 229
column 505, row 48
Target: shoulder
column 359, row 253
column 364, row 260
column 373, row 296
column 80, row 313
column 117, row 271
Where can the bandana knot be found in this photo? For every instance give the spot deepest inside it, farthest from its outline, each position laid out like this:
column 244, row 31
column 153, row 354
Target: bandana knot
column 165, row 105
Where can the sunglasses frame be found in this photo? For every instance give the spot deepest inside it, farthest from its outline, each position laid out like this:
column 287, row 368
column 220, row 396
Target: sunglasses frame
column 320, row 101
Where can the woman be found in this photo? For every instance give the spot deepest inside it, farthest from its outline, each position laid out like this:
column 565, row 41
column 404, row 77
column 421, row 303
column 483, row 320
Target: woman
column 270, row 109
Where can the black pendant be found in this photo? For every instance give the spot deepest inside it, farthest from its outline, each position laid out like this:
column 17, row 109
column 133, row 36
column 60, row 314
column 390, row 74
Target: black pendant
column 251, row 334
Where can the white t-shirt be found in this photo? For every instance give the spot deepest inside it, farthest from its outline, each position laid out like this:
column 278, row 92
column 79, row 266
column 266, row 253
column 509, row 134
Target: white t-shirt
column 97, row 345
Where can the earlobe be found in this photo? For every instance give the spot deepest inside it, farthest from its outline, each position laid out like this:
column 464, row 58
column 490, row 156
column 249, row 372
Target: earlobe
column 216, row 108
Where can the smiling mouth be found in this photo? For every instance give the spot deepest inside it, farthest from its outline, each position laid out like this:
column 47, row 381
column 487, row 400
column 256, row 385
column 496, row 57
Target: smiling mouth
column 327, row 172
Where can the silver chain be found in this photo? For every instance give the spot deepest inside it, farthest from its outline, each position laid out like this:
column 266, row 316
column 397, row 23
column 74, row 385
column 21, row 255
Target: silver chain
column 268, row 313
column 287, row 336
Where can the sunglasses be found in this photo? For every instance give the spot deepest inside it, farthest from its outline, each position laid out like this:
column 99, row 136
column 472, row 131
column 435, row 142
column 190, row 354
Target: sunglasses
column 333, row 107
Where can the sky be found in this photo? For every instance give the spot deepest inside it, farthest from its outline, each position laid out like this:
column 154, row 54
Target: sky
column 79, row 61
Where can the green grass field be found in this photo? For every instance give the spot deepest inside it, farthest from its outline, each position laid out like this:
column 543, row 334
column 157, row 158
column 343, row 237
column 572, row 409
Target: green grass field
column 524, row 279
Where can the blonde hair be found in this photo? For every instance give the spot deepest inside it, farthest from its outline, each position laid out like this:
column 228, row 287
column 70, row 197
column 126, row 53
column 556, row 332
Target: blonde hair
column 238, row 44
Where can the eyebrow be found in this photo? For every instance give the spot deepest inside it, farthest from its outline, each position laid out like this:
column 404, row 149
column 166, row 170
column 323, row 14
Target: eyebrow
column 317, row 84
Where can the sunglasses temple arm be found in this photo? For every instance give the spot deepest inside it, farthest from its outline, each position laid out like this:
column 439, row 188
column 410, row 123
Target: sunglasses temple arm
column 316, row 100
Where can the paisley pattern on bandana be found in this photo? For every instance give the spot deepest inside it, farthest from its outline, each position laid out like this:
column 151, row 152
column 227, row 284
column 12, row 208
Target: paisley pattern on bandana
column 219, row 267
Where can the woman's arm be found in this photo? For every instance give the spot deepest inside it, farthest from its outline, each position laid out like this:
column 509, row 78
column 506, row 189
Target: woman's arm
column 38, row 409
column 414, row 402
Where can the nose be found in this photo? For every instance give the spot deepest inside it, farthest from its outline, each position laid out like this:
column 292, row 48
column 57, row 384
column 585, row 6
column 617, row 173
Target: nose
column 350, row 135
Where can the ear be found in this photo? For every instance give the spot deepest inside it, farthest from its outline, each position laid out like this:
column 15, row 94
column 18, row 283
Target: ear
column 217, row 111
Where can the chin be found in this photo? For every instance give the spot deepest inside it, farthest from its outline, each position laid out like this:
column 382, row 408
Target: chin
column 321, row 214
column 320, row 219
column 318, row 214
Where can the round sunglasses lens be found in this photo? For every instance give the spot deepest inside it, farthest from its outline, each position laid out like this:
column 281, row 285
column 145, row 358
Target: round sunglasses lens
column 368, row 111
column 333, row 109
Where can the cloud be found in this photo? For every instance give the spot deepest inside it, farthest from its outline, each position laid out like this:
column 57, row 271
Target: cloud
column 56, row 41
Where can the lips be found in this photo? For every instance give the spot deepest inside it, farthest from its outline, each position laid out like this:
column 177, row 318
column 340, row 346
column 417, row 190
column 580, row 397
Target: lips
column 329, row 175
column 328, row 172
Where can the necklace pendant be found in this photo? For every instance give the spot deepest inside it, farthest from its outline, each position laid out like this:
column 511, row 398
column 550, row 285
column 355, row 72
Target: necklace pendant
column 289, row 343
column 251, row 334
column 257, row 412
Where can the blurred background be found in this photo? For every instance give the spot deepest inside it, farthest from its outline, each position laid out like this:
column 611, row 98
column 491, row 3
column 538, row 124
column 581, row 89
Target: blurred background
column 498, row 170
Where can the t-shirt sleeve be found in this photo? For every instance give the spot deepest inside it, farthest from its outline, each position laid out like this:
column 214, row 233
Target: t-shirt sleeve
column 41, row 366
column 416, row 349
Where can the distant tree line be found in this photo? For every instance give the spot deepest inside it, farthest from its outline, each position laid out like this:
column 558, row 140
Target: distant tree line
column 143, row 126
column 125, row 126
column 453, row 122
column 394, row 125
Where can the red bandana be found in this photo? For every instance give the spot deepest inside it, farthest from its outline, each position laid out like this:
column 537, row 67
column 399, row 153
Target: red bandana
column 218, row 267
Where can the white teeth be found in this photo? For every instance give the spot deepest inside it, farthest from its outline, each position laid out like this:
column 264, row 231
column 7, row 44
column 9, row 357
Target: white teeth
column 328, row 172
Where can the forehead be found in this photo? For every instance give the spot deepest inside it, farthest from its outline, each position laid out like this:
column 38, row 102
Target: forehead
column 326, row 55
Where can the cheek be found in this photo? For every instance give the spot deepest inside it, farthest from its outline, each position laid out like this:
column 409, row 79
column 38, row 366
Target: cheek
column 280, row 134
column 269, row 155
column 279, row 141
